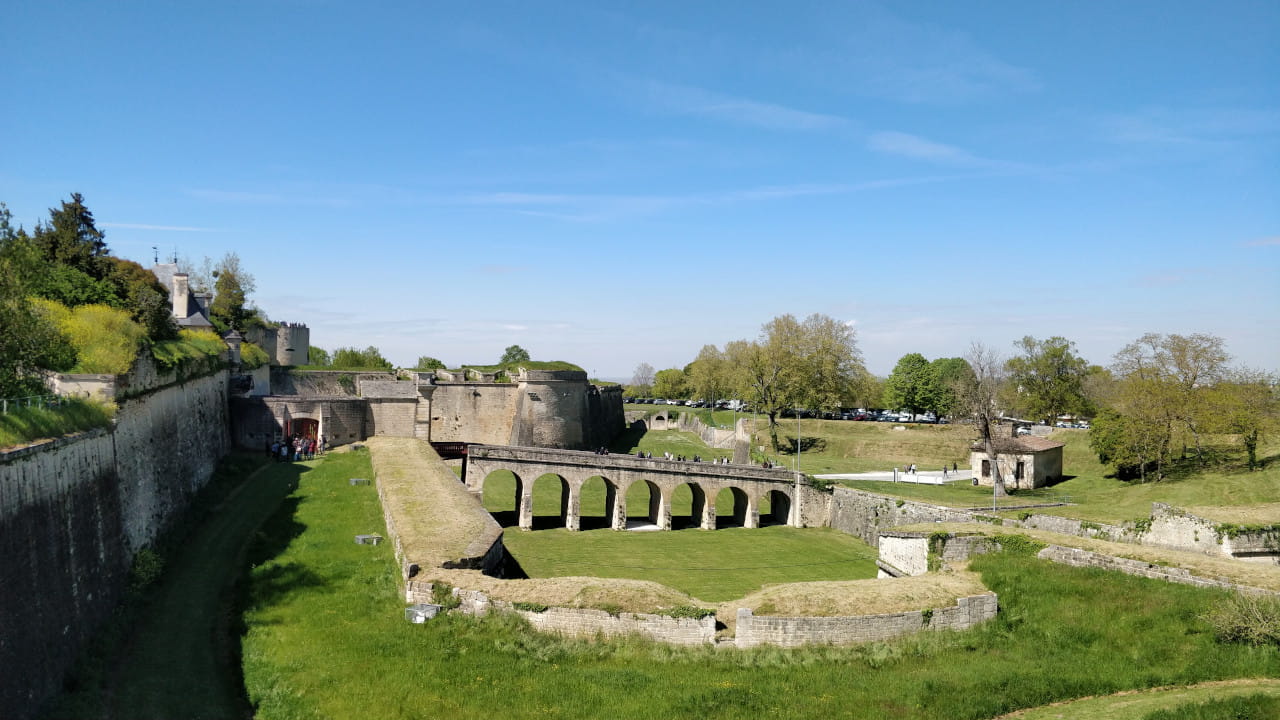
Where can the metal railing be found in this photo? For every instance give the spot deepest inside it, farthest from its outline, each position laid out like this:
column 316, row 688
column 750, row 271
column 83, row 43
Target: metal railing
column 31, row 401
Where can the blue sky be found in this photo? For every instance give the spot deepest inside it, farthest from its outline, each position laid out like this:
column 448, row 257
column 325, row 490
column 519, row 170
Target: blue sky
column 616, row 183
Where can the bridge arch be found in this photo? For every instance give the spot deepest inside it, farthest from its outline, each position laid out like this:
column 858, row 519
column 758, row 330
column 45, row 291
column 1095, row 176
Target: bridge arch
column 656, row 508
column 779, row 508
column 740, row 507
column 500, row 492
column 693, row 496
column 528, row 508
column 592, row 503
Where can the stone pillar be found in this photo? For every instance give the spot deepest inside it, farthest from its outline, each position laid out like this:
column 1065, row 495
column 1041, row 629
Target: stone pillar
column 524, row 504
column 619, row 508
column 573, row 513
column 744, row 637
column 752, row 520
column 709, row 514
column 664, row 508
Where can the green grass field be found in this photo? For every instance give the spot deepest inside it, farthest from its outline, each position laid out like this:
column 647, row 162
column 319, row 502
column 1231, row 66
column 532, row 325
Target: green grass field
column 846, row 446
column 325, row 637
column 711, row 566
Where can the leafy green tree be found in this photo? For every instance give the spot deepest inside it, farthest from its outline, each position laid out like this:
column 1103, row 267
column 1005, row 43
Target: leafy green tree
column 828, row 363
column 951, row 373
column 1169, row 377
column 139, row 292
column 369, row 358
column 671, row 383
column 707, row 376
column 427, row 363
column 514, row 354
column 815, row 363
column 912, row 385
column 1047, row 378
column 30, row 342
column 1247, row 405
column 72, row 238
column 319, row 357
column 231, row 290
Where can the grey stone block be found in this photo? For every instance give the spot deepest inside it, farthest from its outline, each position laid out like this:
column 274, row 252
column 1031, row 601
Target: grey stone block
column 421, row 612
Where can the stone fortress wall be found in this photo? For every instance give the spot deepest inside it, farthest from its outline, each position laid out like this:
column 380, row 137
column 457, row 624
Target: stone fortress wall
column 558, row 409
column 74, row 511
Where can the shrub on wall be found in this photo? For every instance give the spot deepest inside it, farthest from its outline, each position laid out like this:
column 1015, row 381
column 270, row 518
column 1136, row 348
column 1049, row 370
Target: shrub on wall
column 252, row 356
column 190, row 345
column 106, row 339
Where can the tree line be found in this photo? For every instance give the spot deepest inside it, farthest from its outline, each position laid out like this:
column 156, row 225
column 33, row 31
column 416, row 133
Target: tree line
column 66, row 303
column 1160, row 401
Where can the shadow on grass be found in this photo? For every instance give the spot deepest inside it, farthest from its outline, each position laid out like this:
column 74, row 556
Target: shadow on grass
column 807, row 444
column 630, row 438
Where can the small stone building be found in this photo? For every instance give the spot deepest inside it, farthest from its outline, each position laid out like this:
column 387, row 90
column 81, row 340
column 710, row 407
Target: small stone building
column 1024, row 462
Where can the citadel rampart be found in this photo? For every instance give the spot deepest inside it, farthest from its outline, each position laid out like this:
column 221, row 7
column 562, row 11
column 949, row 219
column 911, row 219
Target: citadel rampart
column 558, row 409
column 74, row 511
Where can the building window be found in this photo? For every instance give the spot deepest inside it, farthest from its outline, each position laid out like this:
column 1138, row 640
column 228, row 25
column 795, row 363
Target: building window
column 1017, row 471
column 986, row 468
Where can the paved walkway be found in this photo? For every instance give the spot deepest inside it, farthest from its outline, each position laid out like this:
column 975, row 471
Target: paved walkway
column 924, row 477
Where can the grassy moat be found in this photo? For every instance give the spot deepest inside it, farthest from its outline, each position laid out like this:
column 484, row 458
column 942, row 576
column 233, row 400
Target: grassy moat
column 317, row 630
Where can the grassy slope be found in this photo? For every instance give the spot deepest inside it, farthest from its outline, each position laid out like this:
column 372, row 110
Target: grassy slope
column 28, row 425
column 326, row 638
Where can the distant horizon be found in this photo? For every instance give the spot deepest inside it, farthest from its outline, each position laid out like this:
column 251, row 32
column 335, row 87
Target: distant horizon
column 617, row 185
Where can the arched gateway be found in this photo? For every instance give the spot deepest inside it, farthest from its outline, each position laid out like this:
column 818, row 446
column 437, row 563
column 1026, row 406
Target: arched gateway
column 748, row 486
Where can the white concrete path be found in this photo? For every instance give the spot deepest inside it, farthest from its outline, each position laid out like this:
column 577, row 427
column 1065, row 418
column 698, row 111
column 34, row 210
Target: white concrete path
column 924, row 477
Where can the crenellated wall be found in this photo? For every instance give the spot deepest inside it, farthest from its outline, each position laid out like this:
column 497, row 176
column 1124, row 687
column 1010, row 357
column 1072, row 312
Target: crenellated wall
column 74, row 511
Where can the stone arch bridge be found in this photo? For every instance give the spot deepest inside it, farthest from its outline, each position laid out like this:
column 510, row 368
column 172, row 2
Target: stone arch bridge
column 748, row 485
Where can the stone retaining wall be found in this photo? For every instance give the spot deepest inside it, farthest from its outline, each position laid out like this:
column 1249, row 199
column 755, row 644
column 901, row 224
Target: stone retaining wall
column 864, row 515
column 1086, row 558
column 74, row 511
column 583, row 622
column 789, row 632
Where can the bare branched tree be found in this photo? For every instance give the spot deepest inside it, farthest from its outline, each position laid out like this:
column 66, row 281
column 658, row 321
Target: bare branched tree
column 976, row 398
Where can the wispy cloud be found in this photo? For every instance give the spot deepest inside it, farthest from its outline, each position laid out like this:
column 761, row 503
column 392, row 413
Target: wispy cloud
column 1264, row 242
column 876, row 52
column 164, row 228
column 302, row 196
column 602, row 207
column 914, row 146
column 1188, row 126
column 688, row 100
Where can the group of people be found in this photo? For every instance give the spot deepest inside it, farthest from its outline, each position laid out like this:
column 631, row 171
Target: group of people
column 296, row 448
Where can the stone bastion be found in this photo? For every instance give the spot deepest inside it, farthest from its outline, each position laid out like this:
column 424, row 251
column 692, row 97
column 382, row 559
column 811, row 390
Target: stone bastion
column 448, row 546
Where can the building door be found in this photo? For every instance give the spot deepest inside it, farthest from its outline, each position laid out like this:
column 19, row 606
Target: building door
column 986, row 468
column 304, row 427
